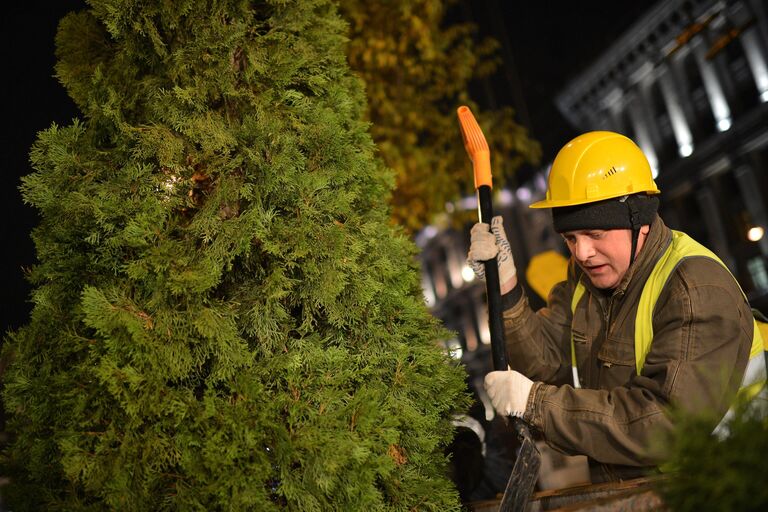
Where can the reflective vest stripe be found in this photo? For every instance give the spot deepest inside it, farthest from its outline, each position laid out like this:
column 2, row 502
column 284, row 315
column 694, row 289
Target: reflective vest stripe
column 577, row 294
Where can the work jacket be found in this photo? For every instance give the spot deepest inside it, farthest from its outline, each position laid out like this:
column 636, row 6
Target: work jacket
column 702, row 336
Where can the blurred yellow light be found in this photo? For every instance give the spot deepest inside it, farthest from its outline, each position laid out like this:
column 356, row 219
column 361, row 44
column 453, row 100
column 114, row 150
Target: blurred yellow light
column 467, row 274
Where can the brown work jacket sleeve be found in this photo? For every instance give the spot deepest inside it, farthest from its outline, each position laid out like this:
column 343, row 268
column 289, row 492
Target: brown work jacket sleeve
column 702, row 335
column 539, row 344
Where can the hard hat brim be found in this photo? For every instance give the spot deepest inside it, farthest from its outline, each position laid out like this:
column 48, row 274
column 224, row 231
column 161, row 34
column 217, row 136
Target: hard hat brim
column 552, row 203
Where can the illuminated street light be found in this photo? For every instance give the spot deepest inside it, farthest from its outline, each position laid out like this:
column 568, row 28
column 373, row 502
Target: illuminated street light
column 724, row 124
column 755, row 233
column 686, row 150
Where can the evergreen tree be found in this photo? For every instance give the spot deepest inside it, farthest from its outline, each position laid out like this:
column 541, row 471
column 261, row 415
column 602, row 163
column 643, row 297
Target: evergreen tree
column 224, row 317
column 418, row 69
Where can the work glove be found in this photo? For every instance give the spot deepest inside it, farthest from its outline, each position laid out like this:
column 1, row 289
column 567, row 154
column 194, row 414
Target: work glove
column 485, row 244
column 508, row 391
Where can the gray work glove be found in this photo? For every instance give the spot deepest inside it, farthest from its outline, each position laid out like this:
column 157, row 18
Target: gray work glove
column 485, row 244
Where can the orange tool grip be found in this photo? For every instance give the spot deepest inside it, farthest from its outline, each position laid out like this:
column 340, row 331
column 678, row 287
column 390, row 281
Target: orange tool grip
column 476, row 146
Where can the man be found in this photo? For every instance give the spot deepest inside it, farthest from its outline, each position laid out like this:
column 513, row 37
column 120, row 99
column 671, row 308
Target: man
column 646, row 318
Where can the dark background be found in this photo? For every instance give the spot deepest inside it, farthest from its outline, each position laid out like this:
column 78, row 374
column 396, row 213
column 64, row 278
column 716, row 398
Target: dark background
column 543, row 45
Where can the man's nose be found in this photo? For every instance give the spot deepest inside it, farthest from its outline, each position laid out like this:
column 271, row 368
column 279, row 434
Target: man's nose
column 583, row 249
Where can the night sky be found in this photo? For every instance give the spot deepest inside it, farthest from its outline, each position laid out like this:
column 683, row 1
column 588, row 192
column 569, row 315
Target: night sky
column 550, row 41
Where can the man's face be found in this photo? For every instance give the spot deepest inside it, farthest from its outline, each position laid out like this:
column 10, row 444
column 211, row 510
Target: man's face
column 603, row 254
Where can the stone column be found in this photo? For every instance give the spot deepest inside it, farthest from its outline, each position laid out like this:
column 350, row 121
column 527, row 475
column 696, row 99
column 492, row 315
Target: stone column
column 757, row 61
column 712, row 85
column 672, row 100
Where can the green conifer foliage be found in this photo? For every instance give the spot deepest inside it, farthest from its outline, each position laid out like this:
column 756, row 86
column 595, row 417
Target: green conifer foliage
column 716, row 473
column 224, row 318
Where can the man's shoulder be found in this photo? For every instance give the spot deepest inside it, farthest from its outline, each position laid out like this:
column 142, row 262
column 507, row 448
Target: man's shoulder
column 698, row 271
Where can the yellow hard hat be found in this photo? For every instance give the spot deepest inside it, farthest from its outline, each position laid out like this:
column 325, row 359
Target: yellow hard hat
column 597, row 166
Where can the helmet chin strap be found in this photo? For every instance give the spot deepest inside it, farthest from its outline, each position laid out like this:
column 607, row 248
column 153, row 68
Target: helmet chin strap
column 635, row 236
column 634, row 219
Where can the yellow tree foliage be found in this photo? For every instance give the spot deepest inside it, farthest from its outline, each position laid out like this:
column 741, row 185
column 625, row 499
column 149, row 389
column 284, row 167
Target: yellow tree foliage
column 417, row 71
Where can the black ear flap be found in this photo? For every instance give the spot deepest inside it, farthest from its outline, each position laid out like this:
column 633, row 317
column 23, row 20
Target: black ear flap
column 642, row 209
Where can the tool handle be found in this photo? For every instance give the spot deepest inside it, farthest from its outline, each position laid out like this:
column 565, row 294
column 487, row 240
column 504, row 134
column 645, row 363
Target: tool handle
column 525, row 472
column 492, row 288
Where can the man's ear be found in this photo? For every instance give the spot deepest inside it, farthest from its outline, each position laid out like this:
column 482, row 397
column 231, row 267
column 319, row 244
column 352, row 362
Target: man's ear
column 644, row 230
